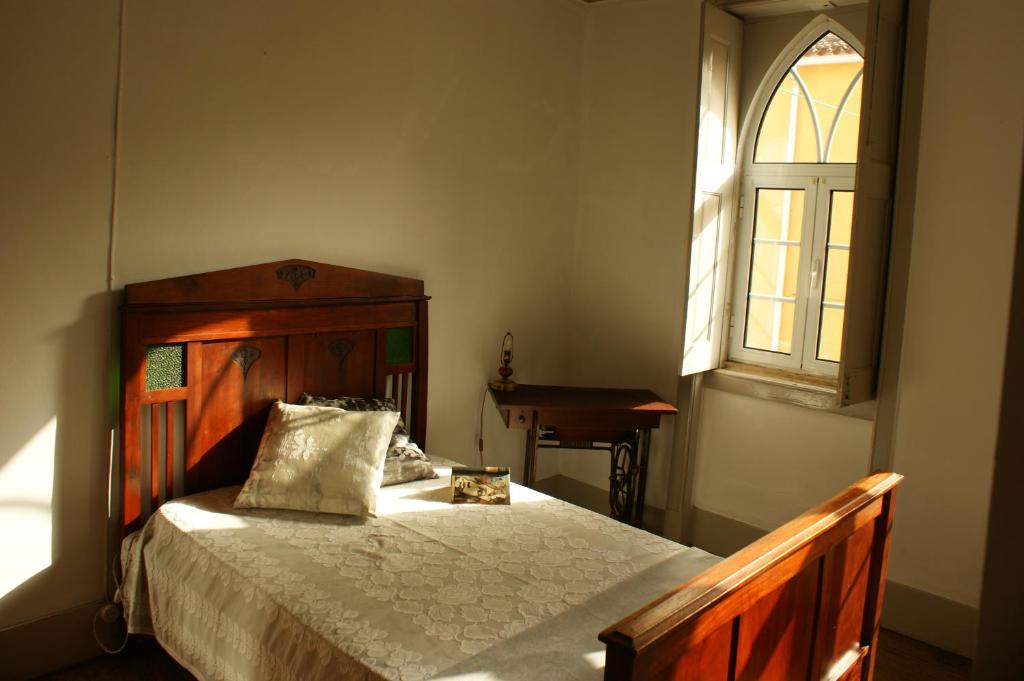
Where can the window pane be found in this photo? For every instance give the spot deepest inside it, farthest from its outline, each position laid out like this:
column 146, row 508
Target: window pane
column 843, row 147
column 165, row 366
column 830, row 343
column 770, row 325
column 837, row 261
column 787, row 133
column 778, row 214
column 398, row 346
column 774, row 270
column 841, row 218
column 774, row 267
column 837, row 264
column 814, row 114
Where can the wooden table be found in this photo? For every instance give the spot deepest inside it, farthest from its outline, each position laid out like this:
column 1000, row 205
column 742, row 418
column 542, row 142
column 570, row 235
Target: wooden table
column 612, row 419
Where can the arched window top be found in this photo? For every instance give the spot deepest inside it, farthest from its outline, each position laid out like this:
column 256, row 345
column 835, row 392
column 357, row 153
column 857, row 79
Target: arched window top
column 814, row 114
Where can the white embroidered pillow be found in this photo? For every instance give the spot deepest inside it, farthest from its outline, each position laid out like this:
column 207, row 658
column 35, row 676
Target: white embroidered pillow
column 319, row 459
column 405, row 461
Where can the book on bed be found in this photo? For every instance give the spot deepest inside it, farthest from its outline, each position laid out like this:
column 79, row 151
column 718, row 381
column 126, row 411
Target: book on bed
column 481, row 485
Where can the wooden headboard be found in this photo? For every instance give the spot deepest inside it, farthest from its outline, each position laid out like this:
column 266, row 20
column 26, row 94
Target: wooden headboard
column 204, row 356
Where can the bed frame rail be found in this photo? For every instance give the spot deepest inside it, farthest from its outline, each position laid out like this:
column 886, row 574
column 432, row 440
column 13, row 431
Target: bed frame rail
column 801, row 603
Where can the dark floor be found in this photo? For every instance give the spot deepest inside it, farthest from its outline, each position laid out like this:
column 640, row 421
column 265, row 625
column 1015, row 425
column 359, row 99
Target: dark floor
column 899, row 659
column 142, row 658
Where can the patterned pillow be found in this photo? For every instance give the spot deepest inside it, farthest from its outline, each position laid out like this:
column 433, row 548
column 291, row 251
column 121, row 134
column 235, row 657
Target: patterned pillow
column 319, row 459
column 405, row 461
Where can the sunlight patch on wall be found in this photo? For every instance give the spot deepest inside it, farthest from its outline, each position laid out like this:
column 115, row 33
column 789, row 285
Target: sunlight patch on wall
column 26, row 505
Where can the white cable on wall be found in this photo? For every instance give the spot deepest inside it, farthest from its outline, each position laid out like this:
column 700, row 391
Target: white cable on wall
column 110, row 612
column 480, row 431
column 116, row 152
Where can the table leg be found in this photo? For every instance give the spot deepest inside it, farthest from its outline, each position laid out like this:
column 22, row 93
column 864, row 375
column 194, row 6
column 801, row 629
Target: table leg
column 643, row 442
column 530, row 462
column 622, row 482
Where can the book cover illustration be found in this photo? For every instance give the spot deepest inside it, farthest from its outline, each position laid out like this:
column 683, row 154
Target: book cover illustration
column 487, row 485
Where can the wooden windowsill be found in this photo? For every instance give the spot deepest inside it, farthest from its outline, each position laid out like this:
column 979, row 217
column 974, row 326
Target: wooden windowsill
column 784, row 376
column 779, row 385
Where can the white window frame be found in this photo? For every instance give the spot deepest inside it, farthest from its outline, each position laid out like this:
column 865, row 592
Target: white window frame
column 817, row 180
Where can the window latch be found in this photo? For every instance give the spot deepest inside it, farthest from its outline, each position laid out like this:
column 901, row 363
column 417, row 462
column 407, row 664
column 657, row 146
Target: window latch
column 815, row 269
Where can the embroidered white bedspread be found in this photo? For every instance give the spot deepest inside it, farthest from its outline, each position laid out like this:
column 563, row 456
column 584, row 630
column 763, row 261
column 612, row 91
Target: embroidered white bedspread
column 425, row 590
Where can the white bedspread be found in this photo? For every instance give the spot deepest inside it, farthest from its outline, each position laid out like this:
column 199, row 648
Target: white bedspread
column 425, row 590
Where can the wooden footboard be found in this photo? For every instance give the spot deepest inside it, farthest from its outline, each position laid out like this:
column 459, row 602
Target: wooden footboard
column 801, row 603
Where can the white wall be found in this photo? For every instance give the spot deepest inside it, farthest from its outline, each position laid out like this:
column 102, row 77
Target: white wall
column 950, row 378
column 531, row 160
column 636, row 183
column 433, row 140
column 763, row 462
column 638, row 136
column 961, row 263
column 57, row 65
column 759, row 461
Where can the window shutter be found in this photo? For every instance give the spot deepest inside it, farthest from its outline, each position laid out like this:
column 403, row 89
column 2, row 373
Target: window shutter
column 876, row 161
column 715, row 183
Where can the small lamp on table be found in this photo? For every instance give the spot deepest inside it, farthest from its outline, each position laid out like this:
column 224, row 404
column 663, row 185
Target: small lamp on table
column 505, row 383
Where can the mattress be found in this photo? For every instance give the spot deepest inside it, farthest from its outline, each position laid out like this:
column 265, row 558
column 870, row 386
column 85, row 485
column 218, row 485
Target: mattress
column 425, row 590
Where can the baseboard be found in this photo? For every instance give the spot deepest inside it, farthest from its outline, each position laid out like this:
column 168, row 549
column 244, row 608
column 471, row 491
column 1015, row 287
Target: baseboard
column 720, row 535
column 594, row 499
column 53, row 642
column 919, row 614
column 933, row 619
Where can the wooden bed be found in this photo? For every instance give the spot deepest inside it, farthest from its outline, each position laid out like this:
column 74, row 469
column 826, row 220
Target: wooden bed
column 203, row 357
column 803, row 602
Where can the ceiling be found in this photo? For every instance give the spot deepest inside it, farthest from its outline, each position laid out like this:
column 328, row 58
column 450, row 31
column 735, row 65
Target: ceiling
column 752, row 9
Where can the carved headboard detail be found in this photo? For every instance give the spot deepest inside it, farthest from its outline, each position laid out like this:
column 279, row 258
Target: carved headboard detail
column 204, row 356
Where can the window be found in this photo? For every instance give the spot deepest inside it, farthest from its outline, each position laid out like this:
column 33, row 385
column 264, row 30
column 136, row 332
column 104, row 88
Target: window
column 786, row 262
column 796, row 214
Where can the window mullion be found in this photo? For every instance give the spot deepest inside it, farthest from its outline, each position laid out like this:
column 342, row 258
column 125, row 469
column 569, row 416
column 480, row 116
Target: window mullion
column 780, row 273
column 818, row 248
column 744, row 254
column 831, row 188
column 808, row 242
column 812, row 109
column 839, row 114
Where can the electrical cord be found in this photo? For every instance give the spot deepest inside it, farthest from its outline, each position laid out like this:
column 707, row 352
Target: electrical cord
column 109, row 613
column 480, row 432
column 115, row 179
